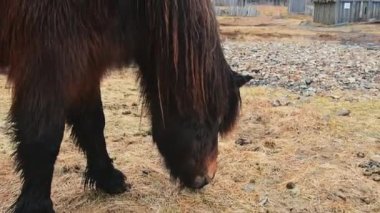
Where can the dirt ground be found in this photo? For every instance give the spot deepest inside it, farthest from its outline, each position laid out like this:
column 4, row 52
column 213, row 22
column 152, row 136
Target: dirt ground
column 298, row 157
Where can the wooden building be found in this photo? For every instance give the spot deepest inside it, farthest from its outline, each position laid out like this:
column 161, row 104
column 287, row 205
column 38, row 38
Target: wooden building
column 334, row 12
column 305, row 7
column 234, row 8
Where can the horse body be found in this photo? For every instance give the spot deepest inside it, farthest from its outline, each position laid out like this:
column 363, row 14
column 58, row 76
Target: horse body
column 57, row 53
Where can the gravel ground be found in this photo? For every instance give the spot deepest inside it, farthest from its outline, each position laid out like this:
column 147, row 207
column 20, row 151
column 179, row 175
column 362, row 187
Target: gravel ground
column 308, row 67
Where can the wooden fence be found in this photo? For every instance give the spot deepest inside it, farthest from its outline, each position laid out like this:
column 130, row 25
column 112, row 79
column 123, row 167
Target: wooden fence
column 346, row 11
column 234, row 8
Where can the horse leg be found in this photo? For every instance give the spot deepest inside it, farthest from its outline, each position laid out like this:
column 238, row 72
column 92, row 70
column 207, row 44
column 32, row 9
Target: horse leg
column 37, row 122
column 87, row 120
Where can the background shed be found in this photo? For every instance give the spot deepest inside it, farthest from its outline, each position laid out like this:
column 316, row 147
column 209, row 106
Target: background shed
column 334, row 12
column 301, row 7
column 234, row 8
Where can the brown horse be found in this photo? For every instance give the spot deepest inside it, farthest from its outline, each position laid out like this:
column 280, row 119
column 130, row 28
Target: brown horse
column 57, row 53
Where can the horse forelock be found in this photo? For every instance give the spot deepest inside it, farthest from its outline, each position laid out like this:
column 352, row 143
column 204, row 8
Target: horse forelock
column 188, row 57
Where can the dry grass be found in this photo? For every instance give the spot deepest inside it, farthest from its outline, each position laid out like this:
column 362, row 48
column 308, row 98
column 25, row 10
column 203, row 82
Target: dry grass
column 269, row 27
column 272, row 11
column 304, row 143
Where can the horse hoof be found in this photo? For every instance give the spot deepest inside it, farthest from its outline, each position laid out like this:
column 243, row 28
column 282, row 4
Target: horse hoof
column 112, row 182
column 31, row 205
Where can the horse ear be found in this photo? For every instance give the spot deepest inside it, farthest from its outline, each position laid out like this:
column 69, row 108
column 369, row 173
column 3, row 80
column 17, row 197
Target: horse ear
column 240, row 79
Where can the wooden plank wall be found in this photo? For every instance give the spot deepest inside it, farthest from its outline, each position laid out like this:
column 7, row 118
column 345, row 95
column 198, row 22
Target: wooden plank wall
column 324, row 13
column 346, row 11
column 376, row 10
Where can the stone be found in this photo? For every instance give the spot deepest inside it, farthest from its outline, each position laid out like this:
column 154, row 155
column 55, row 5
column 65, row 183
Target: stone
column 343, row 112
column 276, row 103
column 249, row 187
column 243, row 141
column 326, row 66
column 367, row 172
column 290, row 185
column 351, row 80
column 366, row 200
column 308, row 81
column 360, row 155
column 126, row 112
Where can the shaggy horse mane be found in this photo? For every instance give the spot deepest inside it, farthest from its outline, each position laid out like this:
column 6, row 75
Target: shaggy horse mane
column 182, row 42
column 55, row 53
column 188, row 57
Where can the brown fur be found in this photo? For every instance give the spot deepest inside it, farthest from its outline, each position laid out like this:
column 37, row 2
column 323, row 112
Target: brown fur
column 58, row 51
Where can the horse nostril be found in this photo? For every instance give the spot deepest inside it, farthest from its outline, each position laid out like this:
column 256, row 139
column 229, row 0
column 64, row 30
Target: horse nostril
column 200, row 182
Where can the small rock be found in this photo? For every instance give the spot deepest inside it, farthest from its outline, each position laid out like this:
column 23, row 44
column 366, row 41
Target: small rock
column 290, row 185
column 351, row 80
column 343, row 112
column 360, row 155
column 276, row 103
column 126, row 112
column 367, row 172
column 366, row 200
column 243, row 141
column 308, row 81
column 250, row 187
column 335, row 97
column 309, row 92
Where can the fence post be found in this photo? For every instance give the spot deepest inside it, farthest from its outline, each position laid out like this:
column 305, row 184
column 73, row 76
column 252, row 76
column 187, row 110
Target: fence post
column 336, row 11
column 370, row 9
